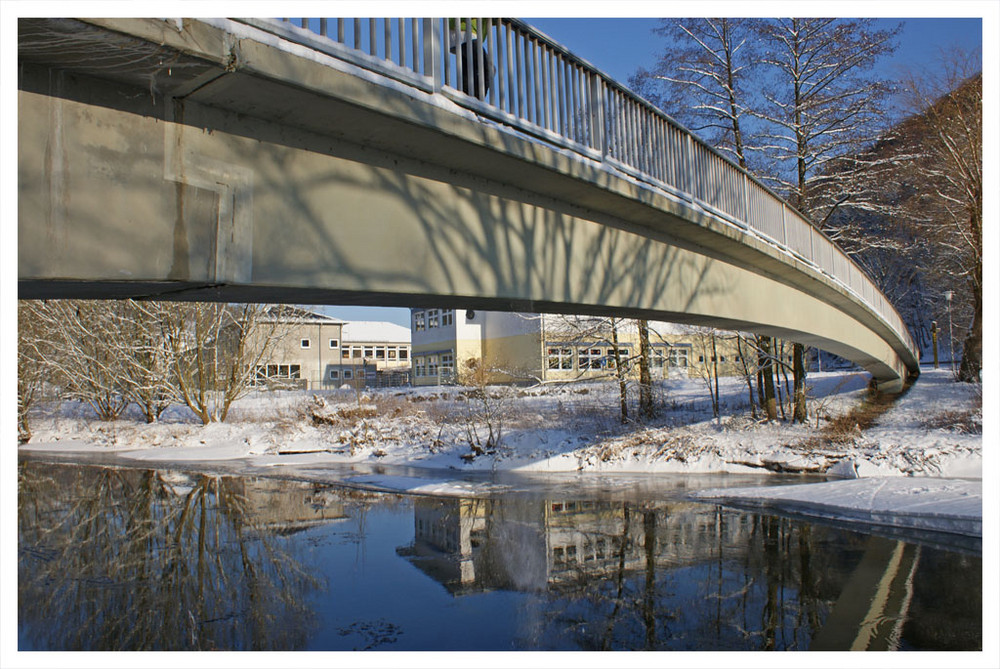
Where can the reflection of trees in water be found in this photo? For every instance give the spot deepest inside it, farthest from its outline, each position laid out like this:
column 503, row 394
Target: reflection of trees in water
column 129, row 559
column 737, row 581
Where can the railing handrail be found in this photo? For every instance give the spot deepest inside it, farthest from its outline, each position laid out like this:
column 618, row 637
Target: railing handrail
column 604, row 125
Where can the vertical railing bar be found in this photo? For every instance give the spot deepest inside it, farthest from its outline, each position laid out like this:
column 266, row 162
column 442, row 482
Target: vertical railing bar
column 528, row 75
column 400, row 40
column 480, row 63
column 372, row 38
column 549, row 88
column 387, row 36
column 554, row 95
column 574, row 103
column 628, row 150
column 415, row 43
column 488, row 31
column 537, row 80
column 519, row 77
column 431, row 39
column 357, row 33
column 446, row 52
column 500, row 58
column 322, row 27
column 468, row 78
column 564, row 96
column 509, row 60
column 340, row 30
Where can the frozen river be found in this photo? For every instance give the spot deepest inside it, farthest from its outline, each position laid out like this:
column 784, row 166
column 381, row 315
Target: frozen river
column 120, row 558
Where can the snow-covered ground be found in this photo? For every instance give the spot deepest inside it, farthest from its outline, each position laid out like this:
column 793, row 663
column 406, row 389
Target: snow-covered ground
column 925, row 437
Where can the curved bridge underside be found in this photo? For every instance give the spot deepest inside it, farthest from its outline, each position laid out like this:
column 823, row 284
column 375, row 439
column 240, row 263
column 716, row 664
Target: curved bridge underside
column 182, row 161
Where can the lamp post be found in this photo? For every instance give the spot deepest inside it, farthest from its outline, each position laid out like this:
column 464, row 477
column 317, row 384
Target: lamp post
column 951, row 342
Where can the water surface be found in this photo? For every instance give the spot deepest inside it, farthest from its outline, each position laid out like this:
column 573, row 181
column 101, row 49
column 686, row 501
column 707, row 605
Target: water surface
column 123, row 559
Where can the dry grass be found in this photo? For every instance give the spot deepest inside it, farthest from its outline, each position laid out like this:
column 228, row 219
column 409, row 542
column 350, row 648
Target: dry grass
column 846, row 428
column 969, row 421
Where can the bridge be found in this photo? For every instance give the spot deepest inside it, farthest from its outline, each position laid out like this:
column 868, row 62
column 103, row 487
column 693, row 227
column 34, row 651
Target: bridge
column 469, row 163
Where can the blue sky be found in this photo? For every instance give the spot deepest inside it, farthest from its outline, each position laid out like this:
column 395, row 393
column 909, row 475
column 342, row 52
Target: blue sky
column 619, row 46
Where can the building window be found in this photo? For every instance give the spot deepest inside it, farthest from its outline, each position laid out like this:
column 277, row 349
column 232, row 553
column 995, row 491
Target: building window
column 334, row 343
column 304, row 343
column 348, row 374
column 369, row 351
column 447, row 363
column 432, row 318
column 418, row 321
column 334, row 374
column 380, row 352
column 391, row 352
column 356, row 352
column 404, row 353
column 345, row 352
column 447, row 317
column 560, row 358
column 418, row 366
column 678, row 357
column 278, row 372
column 432, row 365
column 589, row 358
column 659, row 357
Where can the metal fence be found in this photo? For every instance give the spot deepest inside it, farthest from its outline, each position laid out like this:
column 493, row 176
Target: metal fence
column 508, row 71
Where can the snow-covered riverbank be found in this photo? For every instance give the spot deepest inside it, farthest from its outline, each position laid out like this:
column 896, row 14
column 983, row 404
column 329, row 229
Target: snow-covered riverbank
column 924, row 436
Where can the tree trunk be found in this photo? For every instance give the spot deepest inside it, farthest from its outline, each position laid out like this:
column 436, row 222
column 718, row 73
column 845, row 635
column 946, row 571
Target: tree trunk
column 972, row 347
column 765, row 361
column 622, row 389
column 646, row 409
column 746, row 376
column 799, row 413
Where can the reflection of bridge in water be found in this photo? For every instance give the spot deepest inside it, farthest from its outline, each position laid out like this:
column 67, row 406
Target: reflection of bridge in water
column 253, row 160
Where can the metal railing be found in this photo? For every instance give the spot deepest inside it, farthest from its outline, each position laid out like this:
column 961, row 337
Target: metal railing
column 509, row 72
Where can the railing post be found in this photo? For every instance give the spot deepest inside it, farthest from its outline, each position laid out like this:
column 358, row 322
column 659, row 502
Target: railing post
column 784, row 227
column 432, row 51
column 597, row 115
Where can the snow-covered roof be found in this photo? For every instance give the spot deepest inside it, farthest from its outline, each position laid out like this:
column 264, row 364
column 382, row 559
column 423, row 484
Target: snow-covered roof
column 374, row 331
column 297, row 315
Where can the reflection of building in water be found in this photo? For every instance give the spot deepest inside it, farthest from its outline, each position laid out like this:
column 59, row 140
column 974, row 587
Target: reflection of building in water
column 531, row 544
column 287, row 506
column 277, row 505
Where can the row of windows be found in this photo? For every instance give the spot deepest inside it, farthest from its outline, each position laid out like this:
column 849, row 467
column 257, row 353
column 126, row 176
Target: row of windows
column 433, row 365
column 432, row 318
column 359, row 351
column 591, row 550
column 375, row 352
column 263, row 373
column 590, row 358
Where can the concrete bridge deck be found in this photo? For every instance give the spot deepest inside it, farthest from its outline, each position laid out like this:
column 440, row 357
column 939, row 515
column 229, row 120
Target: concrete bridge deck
column 248, row 161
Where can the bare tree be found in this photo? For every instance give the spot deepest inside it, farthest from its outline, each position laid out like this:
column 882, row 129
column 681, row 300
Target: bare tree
column 83, row 343
column 216, row 351
column 148, row 358
column 945, row 185
column 821, row 106
column 704, row 78
column 32, row 371
column 709, row 77
column 487, row 407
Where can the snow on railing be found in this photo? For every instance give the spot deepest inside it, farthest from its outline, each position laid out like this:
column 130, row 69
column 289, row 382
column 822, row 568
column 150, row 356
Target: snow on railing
column 506, row 70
